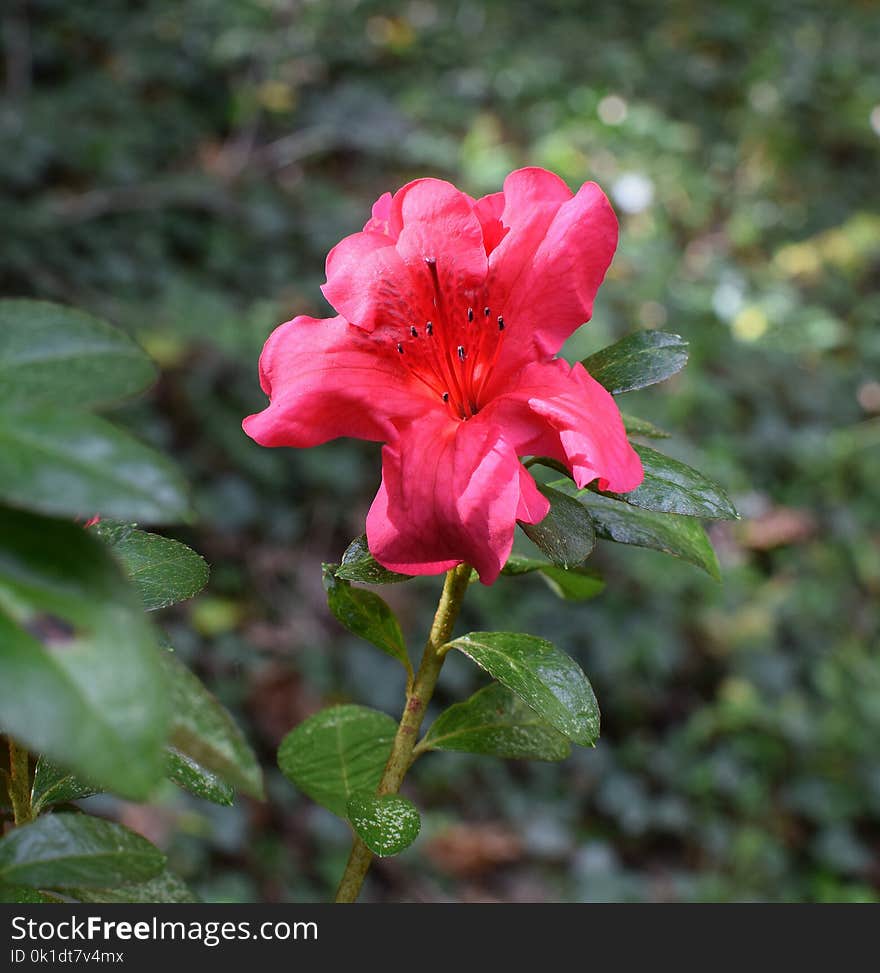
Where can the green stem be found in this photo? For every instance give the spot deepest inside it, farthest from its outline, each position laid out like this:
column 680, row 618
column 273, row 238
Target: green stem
column 19, row 783
column 417, row 700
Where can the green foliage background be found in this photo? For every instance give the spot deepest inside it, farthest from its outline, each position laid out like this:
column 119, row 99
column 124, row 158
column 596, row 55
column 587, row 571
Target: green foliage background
column 182, row 168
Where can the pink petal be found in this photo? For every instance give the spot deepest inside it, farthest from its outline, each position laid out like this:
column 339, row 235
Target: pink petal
column 326, row 378
column 545, row 273
column 451, row 493
column 560, row 411
column 380, row 217
column 489, row 211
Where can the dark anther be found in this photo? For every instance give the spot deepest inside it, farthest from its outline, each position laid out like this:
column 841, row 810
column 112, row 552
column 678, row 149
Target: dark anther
column 413, row 331
column 470, row 314
column 500, row 323
column 461, row 352
column 431, row 261
column 445, row 396
column 429, row 327
column 400, row 347
column 486, row 311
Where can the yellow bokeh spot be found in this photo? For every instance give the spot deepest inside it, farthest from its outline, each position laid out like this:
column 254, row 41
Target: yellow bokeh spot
column 276, row 96
column 750, row 323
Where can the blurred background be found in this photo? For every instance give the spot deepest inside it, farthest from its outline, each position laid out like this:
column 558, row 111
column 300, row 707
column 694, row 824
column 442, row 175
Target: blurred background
column 182, row 169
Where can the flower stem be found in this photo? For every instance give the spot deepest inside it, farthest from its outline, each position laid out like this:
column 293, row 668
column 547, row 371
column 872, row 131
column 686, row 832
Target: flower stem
column 417, row 700
column 19, row 784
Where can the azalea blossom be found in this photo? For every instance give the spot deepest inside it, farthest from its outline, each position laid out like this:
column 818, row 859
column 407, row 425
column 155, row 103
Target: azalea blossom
column 450, row 315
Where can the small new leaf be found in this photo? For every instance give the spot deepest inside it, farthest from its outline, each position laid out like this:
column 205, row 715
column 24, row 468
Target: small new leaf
column 387, row 824
column 359, row 565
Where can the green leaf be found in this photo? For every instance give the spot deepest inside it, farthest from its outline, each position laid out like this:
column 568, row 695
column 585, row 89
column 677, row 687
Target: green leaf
column 55, row 354
column 622, row 523
column 545, row 679
column 21, row 895
column 165, row 887
column 199, row 781
column 54, row 785
column 203, row 730
column 365, row 614
column 566, row 534
column 495, row 721
column 359, row 565
column 385, row 824
column 641, row 427
column 338, row 753
column 575, row 584
column 64, row 850
column 163, row 570
column 79, row 679
column 672, row 487
column 73, row 464
column 638, row 360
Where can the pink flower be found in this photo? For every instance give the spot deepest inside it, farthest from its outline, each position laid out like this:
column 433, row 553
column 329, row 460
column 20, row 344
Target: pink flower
column 450, row 314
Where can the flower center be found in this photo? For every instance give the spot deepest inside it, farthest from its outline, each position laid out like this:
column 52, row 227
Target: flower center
column 454, row 351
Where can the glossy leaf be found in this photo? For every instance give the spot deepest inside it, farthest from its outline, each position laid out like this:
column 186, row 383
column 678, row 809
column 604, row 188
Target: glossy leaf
column 641, row 427
column 387, row 824
column 566, row 534
column 199, row 781
column 545, row 679
column 673, row 487
column 73, row 464
column 79, row 678
column 338, row 753
column 163, row 570
column 203, row 730
column 55, row 354
column 638, row 360
column 359, row 565
column 365, row 614
column 54, row 785
column 622, row 523
column 496, row 722
column 576, row 584
column 64, row 850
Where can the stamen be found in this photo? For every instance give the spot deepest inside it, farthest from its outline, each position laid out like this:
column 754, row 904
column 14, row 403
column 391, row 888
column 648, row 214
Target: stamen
column 445, row 396
column 429, row 328
column 486, row 311
column 470, row 314
column 400, row 347
column 414, row 332
column 461, row 354
column 500, row 323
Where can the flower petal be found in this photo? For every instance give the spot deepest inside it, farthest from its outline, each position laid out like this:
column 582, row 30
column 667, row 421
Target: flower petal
column 560, row 411
column 451, row 493
column 326, row 378
column 545, row 273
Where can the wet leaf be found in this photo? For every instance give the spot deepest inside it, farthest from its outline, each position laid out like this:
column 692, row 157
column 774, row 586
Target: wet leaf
column 622, row 523
column 387, row 824
column 64, row 850
column 566, row 534
column 638, row 360
column 497, row 722
column 79, row 677
column 365, row 614
column 673, row 487
column 76, row 465
column 54, row 785
column 641, row 427
column 359, row 565
column 338, row 753
column 545, row 679
column 55, row 354
column 576, row 584
column 163, row 570
column 204, row 731
column 197, row 780
column 165, row 887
